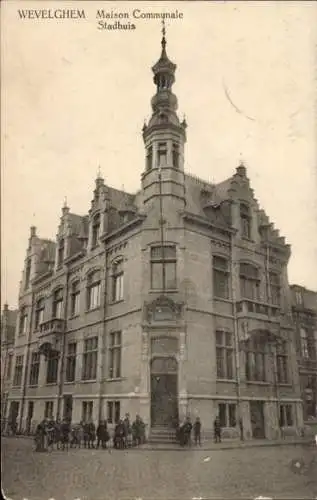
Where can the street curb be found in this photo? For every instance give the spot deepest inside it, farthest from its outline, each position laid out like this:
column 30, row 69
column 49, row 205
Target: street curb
column 221, row 447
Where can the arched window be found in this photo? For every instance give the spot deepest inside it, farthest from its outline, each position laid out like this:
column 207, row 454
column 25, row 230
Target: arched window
column 175, row 155
column 27, row 273
column 75, row 298
column 245, row 217
column 275, row 288
column 149, row 158
column 39, row 312
column 249, row 282
column 93, row 290
column 220, row 277
column 57, row 309
column 95, row 230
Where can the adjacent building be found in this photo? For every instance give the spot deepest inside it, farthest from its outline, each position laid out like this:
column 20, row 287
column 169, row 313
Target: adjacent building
column 304, row 306
column 8, row 325
column 170, row 301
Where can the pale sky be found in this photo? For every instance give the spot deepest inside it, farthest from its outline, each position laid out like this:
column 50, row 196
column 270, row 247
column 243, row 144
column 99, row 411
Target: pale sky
column 75, row 97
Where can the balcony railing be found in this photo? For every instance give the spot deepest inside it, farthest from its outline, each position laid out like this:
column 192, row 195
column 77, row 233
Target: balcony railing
column 54, row 325
column 247, row 306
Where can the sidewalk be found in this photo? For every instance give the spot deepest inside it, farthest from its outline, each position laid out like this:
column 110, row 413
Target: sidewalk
column 228, row 444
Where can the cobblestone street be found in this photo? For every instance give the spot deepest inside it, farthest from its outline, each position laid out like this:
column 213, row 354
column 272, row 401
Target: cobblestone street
column 278, row 472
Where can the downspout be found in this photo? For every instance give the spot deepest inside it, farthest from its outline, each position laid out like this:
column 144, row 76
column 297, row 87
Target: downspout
column 104, row 343
column 27, row 360
column 274, row 344
column 63, row 351
column 235, row 330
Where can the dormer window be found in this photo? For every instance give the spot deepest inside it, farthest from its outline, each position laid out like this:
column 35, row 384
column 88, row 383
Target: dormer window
column 149, row 158
column 95, row 230
column 245, row 218
column 249, row 282
column 61, row 249
column 162, row 154
column 57, row 309
column 175, row 154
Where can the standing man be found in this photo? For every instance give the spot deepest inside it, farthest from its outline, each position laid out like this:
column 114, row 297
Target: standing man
column 197, row 431
column 217, row 430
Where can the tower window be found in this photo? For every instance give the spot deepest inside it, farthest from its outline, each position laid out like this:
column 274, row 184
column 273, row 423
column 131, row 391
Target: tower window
column 245, row 218
column 163, row 267
column 149, row 158
column 60, row 256
column 95, row 230
column 27, row 274
column 175, row 155
column 162, row 154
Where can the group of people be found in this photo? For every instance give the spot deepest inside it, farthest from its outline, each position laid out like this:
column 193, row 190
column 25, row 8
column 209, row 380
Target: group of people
column 63, row 435
column 184, row 431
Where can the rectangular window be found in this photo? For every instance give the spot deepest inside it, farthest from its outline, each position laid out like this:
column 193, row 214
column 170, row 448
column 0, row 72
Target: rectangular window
column 255, row 368
column 275, row 288
column 115, row 350
column 71, row 362
column 9, row 367
column 249, row 282
column 23, row 321
column 39, row 313
column 282, row 363
column 75, row 299
column 93, row 290
column 149, row 158
column 87, row 410
column 286, row 415
column 175, row 153
column 162, row 154
column 18, row 371
column 58, row 298
column 163, row 268
column 90, row 358
column 117, row 281
column 224, row 355
column 34, row 369
column 48, row 409
column 52, row 368
column 304, row 343
column 220, row 277
column 227, row 414
column 113, row 412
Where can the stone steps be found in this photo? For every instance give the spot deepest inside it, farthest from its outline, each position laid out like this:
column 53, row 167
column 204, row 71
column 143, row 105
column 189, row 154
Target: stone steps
column 164, row 435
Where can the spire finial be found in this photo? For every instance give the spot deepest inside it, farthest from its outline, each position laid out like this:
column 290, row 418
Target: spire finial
column 99, row 172
column 163, row 35
column 65, row 202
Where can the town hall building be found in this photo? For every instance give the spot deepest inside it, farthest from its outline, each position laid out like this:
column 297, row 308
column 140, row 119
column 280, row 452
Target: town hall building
column 167, row 302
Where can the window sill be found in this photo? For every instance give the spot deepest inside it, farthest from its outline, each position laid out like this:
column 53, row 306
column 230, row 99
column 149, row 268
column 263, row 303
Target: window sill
column 50, row 384
column 227, row 380
column 16, row 386
column 114, row 379
column 259, row 382
column 33, row 386
column 162, row 291
column 73, row 316
column 284, row 384
column 223, row 299
column 245, row 238
column 90, row 381
column 69, row 383
column 91, row 310
column 113, row 302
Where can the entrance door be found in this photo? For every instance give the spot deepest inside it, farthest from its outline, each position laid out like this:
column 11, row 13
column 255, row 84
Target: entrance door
column 257, row 419
column 13, row 415
column 164, row 401
column 29, row 416
column 68, row 407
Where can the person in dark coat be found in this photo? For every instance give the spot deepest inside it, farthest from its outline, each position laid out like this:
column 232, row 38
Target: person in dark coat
column 137, row 431
column 40, row 437
column 102, row 434
column 65, row 433
column 197, row 431
column 119, row 435
column 127, row 430
column 187, row 431
column 217, row 430
column 91, row 434
column 86, row 434
column 241, row 429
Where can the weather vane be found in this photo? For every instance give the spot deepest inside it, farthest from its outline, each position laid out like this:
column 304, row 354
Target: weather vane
column 163, row 27
column 99, row 172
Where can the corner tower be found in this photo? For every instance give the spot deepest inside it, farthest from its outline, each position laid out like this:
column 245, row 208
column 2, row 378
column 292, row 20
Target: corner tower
column 164, row 137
